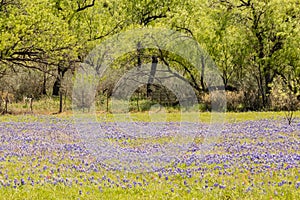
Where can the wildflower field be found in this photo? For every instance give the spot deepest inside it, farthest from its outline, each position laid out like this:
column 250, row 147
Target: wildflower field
column 44, row 157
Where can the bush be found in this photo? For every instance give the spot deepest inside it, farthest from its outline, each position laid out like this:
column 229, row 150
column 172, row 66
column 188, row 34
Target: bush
column 282, row 98
column 235, row 101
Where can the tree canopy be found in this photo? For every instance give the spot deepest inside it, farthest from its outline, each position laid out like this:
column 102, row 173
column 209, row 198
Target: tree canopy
column 251, row 41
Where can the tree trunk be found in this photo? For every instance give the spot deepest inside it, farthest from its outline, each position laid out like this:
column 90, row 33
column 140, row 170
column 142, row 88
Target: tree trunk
column 107, row 99
column 139, row 53
column 56, row 87
column 152, row 74
column 6, row 103
column 261, row 92
column 202, row 74
column 44, row 87
column 268, row 80
column 57, row 84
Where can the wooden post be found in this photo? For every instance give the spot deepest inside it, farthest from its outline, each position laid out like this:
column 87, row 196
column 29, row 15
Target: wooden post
column 31, row 102
column 60, row 102
column 137, row 102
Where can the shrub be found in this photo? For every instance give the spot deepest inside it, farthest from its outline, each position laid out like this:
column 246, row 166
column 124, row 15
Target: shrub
column 282, row 98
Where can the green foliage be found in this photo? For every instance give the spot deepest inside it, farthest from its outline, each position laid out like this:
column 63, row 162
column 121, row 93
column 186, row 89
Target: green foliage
column 251, row 42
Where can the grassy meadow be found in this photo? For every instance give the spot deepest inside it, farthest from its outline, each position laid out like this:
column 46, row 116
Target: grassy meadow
column 256, row 156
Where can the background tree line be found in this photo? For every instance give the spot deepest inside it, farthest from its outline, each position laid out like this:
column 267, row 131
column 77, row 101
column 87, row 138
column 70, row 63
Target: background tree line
column 255, row 44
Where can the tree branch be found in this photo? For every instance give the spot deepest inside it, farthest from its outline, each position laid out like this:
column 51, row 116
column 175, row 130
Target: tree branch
column 148, row 19
column 108, row 33
column 84, row 7
column 185, row 29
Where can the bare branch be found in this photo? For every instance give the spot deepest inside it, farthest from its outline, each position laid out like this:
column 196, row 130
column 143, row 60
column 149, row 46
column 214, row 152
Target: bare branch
column 185, row 29
column 84, row 7
column 149, row 19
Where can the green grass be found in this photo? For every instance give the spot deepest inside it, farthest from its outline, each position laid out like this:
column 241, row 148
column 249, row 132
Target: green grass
column 50, row 105
column 206, row 117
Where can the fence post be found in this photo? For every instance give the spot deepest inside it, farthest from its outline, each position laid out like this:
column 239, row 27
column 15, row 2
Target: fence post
column 31, row 102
